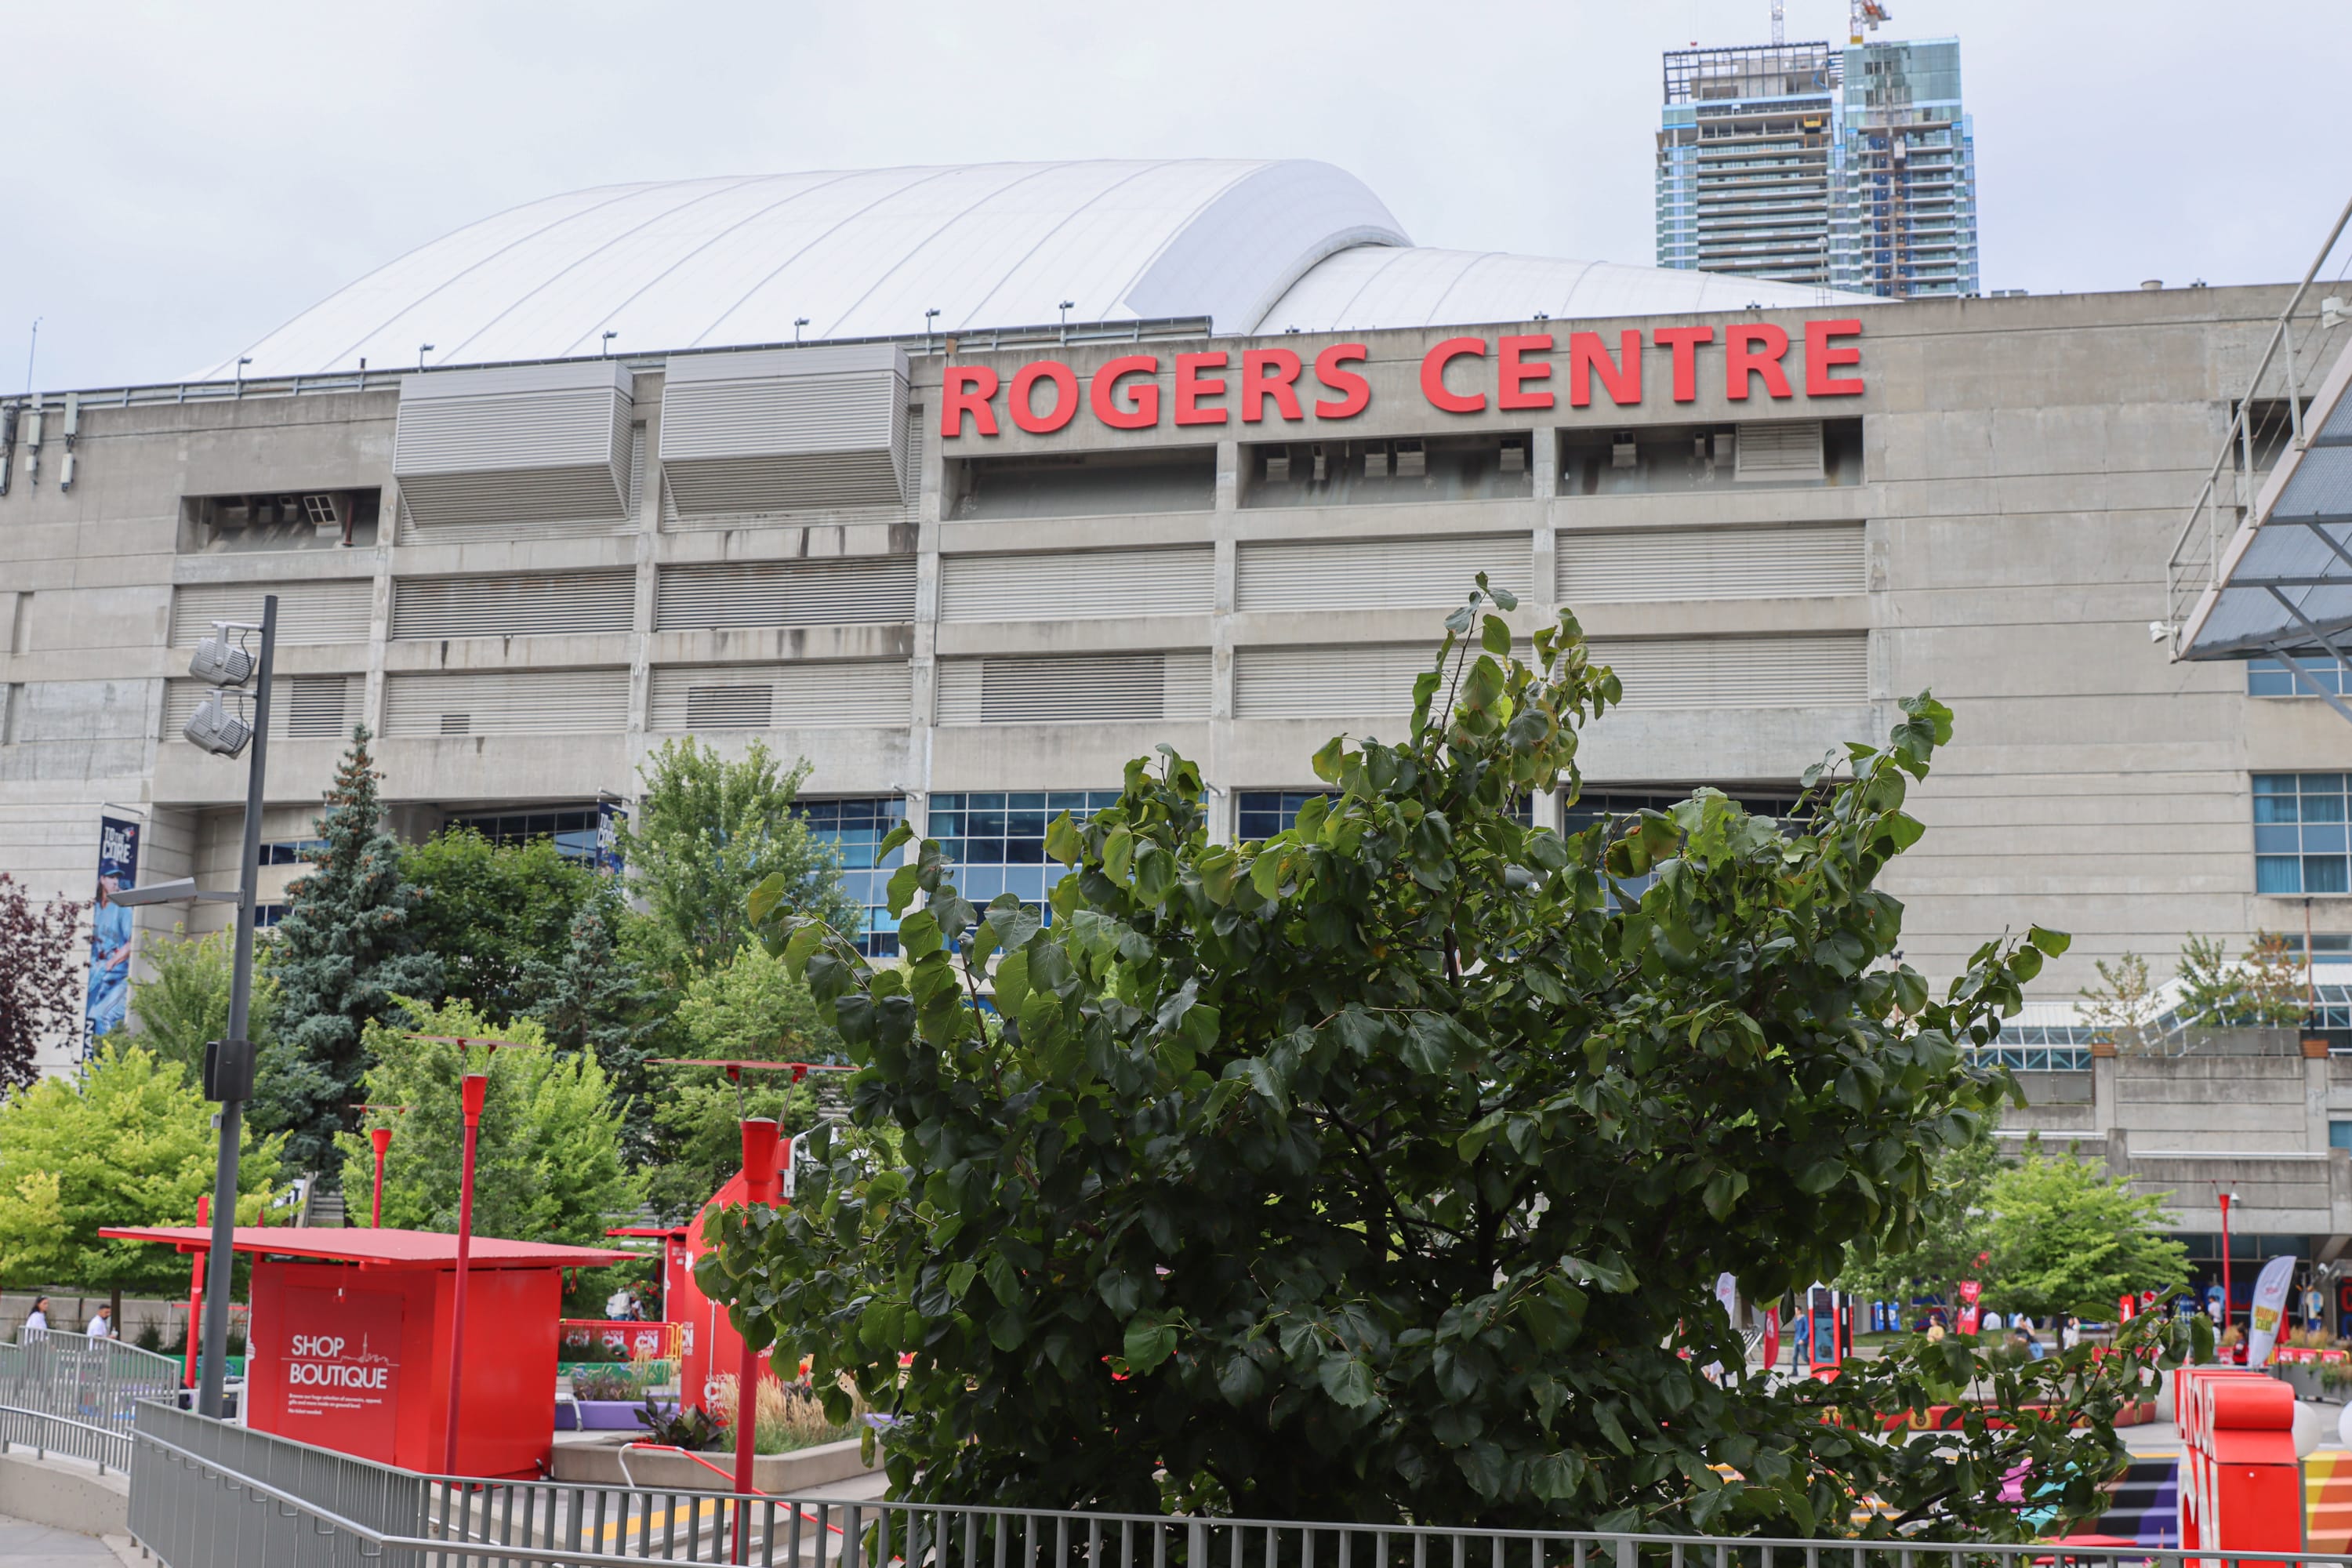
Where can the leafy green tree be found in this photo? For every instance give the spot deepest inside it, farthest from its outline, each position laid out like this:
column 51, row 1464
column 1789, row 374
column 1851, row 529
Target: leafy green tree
column 1382, row 1170
column 753, row 1009
column 183, row 1002
column 592, row 998
column 2123, row 1005
column 129, row 1143
column 548, row 1163
column 497, row 915
column 41, row 947
column 706, row 830
column 2265, row 988
column 1954, row 1235
column 341, row 956
column 2066, row 1239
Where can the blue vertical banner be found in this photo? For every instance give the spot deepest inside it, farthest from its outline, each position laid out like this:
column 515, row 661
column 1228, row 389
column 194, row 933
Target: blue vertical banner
column 109, row 932
column 610, row 817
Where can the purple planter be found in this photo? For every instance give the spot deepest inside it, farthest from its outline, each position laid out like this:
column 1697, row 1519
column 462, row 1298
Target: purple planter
column 598, row 1416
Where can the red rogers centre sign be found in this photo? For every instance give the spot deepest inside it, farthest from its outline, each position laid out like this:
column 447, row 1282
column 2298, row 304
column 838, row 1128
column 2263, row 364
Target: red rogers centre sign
column 1460, row 375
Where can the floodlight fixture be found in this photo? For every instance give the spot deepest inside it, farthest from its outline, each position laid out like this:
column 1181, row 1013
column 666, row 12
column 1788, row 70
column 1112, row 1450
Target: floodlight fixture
column 213, row 728
column 221, row 661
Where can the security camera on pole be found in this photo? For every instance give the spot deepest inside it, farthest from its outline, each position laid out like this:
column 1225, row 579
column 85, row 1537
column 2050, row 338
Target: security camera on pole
column 223, row 662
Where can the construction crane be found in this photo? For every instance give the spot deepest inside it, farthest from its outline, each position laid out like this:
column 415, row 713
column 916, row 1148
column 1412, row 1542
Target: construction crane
column 1860, row 14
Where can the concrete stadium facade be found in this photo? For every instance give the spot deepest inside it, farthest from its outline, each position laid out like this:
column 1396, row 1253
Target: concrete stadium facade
column 526, row 576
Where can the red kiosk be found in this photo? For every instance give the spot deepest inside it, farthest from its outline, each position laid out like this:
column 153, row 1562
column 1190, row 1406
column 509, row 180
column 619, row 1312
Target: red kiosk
column 351, row 1341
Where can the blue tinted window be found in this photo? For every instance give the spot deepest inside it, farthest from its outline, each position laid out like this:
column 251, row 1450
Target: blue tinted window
column 2272, row 677
column 997, row 838
column 2339, row 1135
column 574, row 831
column 854, row 829
column 2302, row 841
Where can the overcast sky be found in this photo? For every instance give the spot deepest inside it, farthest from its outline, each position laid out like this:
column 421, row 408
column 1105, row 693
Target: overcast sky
column 180, row 179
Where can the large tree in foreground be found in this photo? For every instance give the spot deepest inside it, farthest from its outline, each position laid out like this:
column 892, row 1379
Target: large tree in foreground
column 1382, row 1170
column 343, row 957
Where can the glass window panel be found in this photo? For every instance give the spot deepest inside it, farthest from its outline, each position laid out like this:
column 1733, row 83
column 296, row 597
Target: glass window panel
column 2273, row 783
column 2326, row 873
column 2277, row 840
column 2321, row 783
column 2322, row 807
column 2277, row 873
column 2274, row 808
column 1027, row 881
column 2323, row 839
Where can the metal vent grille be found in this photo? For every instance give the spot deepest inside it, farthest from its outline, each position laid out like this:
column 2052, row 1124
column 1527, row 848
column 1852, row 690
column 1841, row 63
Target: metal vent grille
column 1784, row 449
column 1379, row 574
column 507, row 702
column 302, row 707
column 1079, row 584
column 535, row 444
column 309, row 614
column 1647, row 565
column 785, row 429
column 531, row 603
column 849, row 591
column 808, row 696
column 1090, row 688
column 1740, row 672
column 1370, row 678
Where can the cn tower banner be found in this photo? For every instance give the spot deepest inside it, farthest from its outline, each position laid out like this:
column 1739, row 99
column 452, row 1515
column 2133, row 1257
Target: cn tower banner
column 109, row 932
column 2270, row 1305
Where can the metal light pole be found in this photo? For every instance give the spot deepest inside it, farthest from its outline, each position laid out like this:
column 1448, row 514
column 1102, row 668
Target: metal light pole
column 475, row 1084
column 760, row 1148
column 382, row 1138
column 2229, row 1298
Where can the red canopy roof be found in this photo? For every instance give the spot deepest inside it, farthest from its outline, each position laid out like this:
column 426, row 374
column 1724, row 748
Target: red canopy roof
column 379, row 1249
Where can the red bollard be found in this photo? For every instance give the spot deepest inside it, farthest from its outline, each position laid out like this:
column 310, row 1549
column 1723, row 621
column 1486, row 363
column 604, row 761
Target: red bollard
column 2241, row 1483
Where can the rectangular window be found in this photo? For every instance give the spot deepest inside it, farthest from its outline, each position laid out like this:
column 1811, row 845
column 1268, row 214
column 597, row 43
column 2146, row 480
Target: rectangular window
column 2272, row 677
column 1259, row 814
column 998, row 839
column 854, row 830
column 1603, row 805
column 573, row 830
column 2300, row 844
column 290, row 851
column 2339, row 1134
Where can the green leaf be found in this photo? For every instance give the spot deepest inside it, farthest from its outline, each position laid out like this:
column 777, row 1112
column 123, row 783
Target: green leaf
column 902, row 835
column 1150, row 1340
column 1062, row 841
column 1495, row 637
column 1348, row 1381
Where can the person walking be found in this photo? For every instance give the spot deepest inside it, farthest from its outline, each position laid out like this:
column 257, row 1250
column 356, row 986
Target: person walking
column 102, row 1327
column 36, row 1322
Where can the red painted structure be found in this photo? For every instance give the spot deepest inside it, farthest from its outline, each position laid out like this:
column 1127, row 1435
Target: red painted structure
column 2241, row 1483
column 352, row 1330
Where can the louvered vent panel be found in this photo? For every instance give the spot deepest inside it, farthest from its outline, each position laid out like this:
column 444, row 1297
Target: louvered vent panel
column 1377, row 574
column 1321, row 682
column 851, row 591
column 545, row 444
column 531, row 604
column 1740, row 672
column 507, row 702
column 1784, row 449
column 302, row 707
column 308, row 613
column 1711, row 564
column 1110, row 687
column 813, row 695
column 785, row 429
column 1079, row 584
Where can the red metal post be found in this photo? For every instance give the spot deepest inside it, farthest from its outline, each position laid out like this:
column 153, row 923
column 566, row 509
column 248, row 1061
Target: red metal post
column 760, row 1148
column 2228, row 1301
column 475, row 1084
column 196, row 1292
column 382, row 1138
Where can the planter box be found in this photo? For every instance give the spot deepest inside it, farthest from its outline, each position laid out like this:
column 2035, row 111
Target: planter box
column 783, row 1474
column 599, row 1416
column 2303, row 1378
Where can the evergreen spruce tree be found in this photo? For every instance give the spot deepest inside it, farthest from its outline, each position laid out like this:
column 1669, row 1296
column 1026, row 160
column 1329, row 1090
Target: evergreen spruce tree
column 594, row 1000
column 342, row 957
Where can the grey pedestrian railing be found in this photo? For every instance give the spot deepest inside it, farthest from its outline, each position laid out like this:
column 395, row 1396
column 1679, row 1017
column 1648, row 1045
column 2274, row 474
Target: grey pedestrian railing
column 206, row 1495
column 96, row 1382
column 46, row 1434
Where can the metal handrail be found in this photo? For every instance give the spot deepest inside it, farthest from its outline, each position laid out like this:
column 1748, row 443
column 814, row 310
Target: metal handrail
column 461, row 1519
column 103, row 1445
column 2238, row 439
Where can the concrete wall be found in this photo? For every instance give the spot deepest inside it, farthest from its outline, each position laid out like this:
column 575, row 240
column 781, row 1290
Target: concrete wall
column 2025, row 462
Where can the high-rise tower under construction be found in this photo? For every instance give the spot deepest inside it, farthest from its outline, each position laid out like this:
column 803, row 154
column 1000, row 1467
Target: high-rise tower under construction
column 1853, row 168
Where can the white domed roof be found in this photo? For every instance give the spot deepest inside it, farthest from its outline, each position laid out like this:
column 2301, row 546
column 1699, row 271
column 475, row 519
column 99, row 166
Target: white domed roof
column 860, row 253
column 1255, row 245
column 1370, row 288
